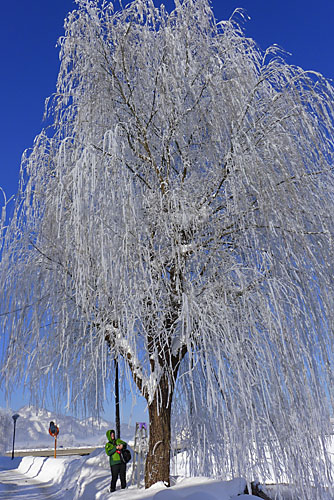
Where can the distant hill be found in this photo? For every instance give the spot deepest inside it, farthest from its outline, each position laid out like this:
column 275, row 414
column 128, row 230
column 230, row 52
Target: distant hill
column 33, row 424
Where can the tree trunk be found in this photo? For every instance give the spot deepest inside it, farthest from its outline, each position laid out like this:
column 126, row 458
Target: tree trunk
column 157, row 466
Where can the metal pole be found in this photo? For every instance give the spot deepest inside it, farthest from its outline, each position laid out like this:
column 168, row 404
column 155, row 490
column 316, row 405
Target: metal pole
column 13, row 439
column 117, row 417
column 14, row 417
column 54, row 431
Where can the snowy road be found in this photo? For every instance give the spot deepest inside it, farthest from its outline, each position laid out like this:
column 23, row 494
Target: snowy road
column 16, row 485
column 13, row 484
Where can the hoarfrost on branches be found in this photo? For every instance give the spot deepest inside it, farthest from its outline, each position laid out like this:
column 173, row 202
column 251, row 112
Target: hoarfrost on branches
column 179, row 216
column 5, row 430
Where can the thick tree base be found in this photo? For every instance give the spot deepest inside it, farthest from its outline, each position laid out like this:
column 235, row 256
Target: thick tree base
column 157, row 467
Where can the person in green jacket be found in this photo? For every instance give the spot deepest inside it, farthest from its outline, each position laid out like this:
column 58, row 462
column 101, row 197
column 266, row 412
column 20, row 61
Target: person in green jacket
column 114, row 449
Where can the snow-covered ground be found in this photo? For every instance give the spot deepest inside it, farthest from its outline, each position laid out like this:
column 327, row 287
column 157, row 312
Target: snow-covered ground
column 71, row 478
column 88, row 478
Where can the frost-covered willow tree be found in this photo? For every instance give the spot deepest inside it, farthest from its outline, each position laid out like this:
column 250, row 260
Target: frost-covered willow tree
column 179, row 215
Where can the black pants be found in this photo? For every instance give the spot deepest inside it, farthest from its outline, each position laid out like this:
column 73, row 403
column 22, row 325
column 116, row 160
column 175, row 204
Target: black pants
column 118, row 470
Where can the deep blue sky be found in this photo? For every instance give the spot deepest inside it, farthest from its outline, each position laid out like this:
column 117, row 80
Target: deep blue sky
column 29, row 60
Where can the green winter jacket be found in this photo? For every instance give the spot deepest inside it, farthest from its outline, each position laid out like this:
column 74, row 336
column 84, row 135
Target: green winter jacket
column 111, row 451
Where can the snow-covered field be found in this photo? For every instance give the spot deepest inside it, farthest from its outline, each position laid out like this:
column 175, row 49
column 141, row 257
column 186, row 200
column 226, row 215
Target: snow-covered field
column 71, row 478
column 88, row 478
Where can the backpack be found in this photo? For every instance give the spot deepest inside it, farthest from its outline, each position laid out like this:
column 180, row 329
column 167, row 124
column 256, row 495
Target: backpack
column 126, row 455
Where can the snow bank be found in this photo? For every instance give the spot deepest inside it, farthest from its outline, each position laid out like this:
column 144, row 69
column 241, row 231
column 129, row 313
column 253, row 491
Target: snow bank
column 88, row 478
column 195, row 488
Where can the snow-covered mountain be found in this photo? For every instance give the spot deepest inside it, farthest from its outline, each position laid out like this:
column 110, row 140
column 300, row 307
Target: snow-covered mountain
column 33, row 424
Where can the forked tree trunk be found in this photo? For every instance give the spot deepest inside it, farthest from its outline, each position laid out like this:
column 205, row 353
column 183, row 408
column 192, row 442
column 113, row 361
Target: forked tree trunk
column 157, row 466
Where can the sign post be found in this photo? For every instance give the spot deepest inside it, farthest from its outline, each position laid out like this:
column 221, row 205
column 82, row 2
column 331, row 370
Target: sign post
column 54, row 431
column 14, row 417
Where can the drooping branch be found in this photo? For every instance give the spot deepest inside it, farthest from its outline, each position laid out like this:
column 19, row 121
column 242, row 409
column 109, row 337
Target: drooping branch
column 179, row 217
